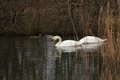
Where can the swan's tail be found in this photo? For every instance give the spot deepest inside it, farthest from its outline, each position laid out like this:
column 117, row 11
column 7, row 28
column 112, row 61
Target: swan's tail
column 104, row 40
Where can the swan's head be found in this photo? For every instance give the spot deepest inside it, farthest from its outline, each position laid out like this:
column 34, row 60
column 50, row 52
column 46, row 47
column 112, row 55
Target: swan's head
column 56, row 38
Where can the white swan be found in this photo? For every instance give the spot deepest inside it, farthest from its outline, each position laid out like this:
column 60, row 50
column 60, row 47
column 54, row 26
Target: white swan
column 91, row 39
column 64, row 43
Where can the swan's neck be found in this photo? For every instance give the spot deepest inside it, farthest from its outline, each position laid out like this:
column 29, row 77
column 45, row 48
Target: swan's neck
column 59, row 41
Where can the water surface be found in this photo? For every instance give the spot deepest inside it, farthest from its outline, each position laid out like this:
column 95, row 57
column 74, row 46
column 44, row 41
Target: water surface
column 23, row 58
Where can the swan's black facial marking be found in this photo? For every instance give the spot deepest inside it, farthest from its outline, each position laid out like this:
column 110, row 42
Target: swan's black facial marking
column 52, row 39
column 55, row 40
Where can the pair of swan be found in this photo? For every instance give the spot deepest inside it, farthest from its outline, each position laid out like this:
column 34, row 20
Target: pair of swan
column 85, row 40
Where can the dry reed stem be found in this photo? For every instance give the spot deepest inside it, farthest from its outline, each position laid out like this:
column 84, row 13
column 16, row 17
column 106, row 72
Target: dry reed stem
column 71, row 19
column 109, row 71
column 109, row 31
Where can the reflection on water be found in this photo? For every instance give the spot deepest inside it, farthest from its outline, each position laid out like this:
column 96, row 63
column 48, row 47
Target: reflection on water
column 22, row 58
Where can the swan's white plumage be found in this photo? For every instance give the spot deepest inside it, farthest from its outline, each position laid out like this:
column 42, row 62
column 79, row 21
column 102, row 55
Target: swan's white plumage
column 69, row 43
column 85, row 40
column 61, row 43
column 91, row 39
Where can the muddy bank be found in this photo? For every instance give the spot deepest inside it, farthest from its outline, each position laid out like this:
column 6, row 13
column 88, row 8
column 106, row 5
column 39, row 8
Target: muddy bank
column 28, row 17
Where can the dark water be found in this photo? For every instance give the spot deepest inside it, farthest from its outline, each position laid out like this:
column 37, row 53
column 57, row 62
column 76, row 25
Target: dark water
column 23, row 58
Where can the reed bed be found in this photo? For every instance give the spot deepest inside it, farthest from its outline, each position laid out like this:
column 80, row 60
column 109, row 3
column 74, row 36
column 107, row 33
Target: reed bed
column 77, row 17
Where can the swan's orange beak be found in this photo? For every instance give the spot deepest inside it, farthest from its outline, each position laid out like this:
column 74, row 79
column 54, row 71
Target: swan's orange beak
column 53, row 39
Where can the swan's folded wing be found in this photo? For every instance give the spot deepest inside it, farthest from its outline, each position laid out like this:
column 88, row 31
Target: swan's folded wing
column 69, row 43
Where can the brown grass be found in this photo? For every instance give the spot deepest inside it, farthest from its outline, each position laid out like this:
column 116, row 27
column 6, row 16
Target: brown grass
column 111, row 59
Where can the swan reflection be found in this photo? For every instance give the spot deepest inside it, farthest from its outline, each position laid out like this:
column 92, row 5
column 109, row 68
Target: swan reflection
column 91, row 47
column 68, row 49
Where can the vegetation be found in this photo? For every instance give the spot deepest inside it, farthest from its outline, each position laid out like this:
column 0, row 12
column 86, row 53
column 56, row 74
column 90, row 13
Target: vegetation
column 85, row 17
